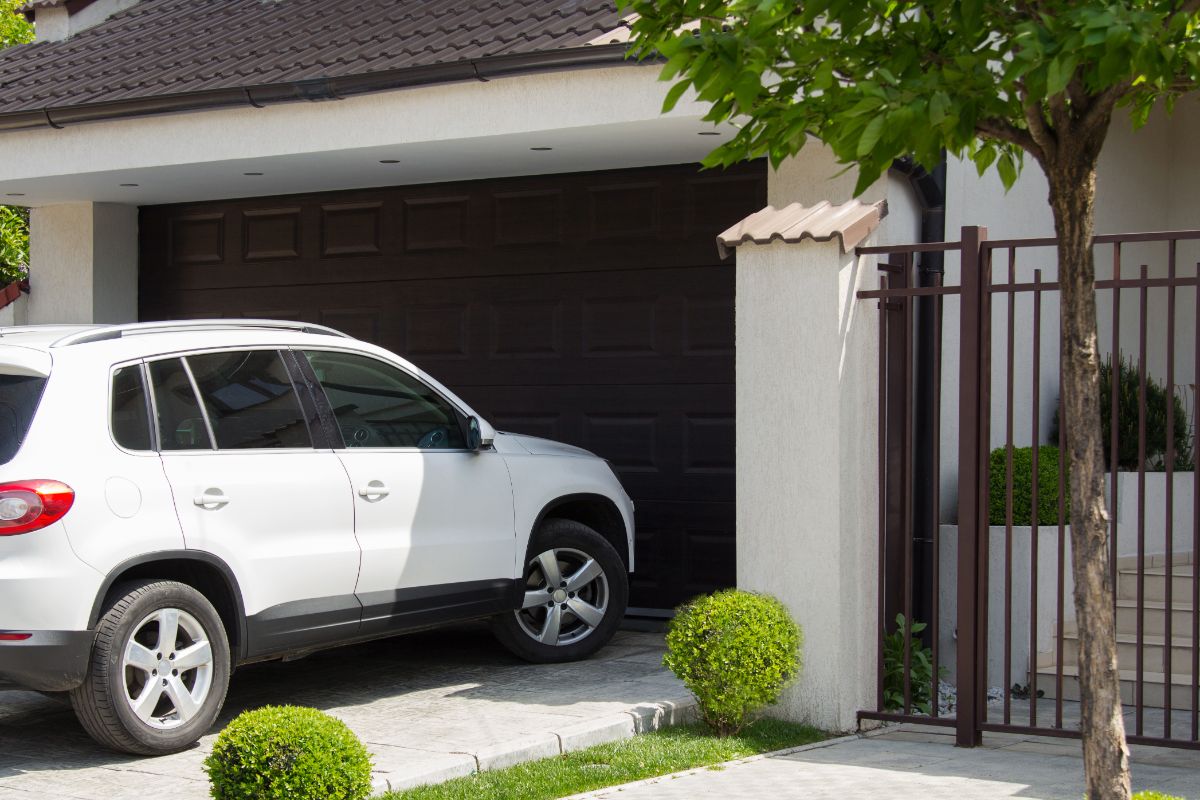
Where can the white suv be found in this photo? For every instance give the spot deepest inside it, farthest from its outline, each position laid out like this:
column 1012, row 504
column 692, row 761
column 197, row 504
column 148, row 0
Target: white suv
column 180, row 498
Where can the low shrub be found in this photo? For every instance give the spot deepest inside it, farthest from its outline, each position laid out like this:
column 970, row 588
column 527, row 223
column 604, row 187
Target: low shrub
column 920, row 663
column 1022, row 486
column 735, row 651
column 288, row 753
column 1129, row 412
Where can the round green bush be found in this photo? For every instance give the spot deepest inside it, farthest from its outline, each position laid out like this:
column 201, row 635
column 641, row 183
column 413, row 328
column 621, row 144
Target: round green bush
column 735, row 651
column 288, row 753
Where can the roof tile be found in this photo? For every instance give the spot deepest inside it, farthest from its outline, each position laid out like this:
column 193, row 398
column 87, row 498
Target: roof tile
column 850, row 223
column 167, row 47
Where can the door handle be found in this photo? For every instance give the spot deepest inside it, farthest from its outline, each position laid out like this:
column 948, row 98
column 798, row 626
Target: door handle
column 375, row 490
column 212, row 498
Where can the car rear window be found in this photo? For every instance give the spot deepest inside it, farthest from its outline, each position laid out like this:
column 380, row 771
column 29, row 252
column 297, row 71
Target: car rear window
column 19, row 398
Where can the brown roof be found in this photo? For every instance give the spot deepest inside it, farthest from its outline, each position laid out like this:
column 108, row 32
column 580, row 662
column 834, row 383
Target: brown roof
column 849, row 222
column 183, row 47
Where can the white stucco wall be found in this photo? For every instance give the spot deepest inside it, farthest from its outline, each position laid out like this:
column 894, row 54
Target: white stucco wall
column 806, row 443
column 1146, row 182
column 83, row 263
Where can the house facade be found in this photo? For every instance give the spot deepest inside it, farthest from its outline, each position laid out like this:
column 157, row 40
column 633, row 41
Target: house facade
column 492, row 190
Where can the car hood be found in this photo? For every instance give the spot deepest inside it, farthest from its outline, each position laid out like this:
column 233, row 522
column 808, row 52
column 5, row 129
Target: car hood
column 538, row 446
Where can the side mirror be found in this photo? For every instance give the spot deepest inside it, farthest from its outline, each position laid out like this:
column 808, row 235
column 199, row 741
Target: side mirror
column 474, row 434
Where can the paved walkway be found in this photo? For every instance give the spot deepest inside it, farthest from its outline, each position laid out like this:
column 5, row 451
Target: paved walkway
column 916, row 764
column 429, row 706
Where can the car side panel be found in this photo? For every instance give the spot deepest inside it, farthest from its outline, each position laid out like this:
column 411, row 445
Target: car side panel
column 539, row 480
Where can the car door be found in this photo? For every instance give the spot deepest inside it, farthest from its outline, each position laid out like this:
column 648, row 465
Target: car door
column 251, row 488
column 434, row 519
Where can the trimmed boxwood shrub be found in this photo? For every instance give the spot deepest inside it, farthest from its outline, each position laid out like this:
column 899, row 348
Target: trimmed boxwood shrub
column 288, row 753
column 1022, row 486
column 735, row 651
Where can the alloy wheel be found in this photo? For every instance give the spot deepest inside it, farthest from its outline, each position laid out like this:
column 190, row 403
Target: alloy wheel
column 566, row 597
column 167, row 668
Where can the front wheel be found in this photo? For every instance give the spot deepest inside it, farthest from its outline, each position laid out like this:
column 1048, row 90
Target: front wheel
column 576, row 590
column 158, row 673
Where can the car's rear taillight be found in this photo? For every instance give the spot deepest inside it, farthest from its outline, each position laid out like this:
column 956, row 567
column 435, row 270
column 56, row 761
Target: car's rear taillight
column 11, row 636
column 30, row 505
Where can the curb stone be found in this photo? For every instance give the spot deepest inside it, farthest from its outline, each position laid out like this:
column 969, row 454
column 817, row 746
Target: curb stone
column 641, row 718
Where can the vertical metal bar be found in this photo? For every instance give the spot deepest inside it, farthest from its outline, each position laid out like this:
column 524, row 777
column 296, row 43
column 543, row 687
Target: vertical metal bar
column 936, row 590
column 1033, row 496
column 1139, row 689
column 909, row 306
column 1008, row 485
column 982, row 488
column 883, row 499
column 1196, row 523
column 967, row 733
column 1169, row 568
column 1062, row 552
column 1114, row 359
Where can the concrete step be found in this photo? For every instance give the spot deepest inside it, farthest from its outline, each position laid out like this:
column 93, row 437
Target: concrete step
column 1153, row 617
column 1152, row 687
column 1155, row 584
column 1153, row 648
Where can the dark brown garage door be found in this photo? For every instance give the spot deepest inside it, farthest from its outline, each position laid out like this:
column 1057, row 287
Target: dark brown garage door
column 589, row 308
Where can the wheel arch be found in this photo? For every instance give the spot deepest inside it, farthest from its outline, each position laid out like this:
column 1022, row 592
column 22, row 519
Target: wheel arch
column 204, row 572
column 596, row 511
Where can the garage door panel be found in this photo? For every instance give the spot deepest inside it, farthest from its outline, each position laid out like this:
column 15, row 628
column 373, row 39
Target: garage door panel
column 588, row 308
column 666, row 443
column 689, row 547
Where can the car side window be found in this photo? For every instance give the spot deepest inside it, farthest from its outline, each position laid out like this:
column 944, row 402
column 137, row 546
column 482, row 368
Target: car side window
column 250, row 400
column 180, row 421
column 130, row 414
column 378, row 405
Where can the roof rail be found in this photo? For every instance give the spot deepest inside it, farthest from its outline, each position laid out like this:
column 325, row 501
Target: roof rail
column 137, row 328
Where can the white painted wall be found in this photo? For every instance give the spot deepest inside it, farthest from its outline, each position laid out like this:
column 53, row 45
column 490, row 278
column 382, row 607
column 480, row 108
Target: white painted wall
column 598, row 118
column 1146, row 182
column 806, row 443
column 83, row 263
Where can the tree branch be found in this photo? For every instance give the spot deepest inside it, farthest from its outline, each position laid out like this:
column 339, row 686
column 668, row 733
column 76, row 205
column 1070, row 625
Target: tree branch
column 1005, row 131
column 1042, row 134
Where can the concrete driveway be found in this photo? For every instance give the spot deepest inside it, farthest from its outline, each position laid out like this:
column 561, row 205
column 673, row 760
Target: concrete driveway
column 429, row 706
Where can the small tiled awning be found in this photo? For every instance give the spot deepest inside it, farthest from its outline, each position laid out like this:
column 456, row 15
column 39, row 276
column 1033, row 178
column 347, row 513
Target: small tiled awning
column 849, row 222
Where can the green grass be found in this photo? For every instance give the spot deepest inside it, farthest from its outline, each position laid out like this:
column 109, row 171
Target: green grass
column 645, row 756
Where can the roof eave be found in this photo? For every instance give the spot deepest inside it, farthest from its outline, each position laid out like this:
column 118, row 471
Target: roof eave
column 317, row 89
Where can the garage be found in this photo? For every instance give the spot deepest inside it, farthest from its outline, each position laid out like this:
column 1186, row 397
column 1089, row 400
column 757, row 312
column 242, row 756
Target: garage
column 591, row 308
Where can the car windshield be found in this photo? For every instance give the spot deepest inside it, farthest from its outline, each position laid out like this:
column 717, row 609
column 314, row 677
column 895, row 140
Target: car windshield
column 19, row 396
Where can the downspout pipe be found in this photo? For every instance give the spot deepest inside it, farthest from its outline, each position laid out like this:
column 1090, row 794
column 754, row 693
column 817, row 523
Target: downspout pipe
column 930, row 189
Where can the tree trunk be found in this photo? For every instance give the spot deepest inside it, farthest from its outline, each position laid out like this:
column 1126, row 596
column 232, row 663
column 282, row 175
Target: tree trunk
column 1105, row 755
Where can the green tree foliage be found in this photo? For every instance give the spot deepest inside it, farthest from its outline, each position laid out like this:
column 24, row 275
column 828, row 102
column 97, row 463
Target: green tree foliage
column 989, row 80
column 14, row 221
column 14, row 28
column 880, row 79
column 14, row 244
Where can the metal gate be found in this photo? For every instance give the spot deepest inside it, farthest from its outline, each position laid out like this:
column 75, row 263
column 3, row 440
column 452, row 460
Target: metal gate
column 998, row 648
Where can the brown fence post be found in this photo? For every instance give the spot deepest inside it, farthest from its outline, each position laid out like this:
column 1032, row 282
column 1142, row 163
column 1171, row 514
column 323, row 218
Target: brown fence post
column 972, row 407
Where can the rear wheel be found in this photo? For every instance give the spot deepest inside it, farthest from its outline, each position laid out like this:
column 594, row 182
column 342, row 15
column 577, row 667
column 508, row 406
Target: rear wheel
column 576, row 590
column 158, row 673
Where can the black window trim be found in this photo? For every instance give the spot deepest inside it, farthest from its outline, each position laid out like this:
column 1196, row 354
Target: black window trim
column 327, row 407
column 182, row 356
column 147, row 397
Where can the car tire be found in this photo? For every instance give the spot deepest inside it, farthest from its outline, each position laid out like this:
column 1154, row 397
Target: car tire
column 577, row 617
column 158, row 672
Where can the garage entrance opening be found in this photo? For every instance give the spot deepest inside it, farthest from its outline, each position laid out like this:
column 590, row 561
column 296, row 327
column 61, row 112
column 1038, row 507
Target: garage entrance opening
column 590, row 308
